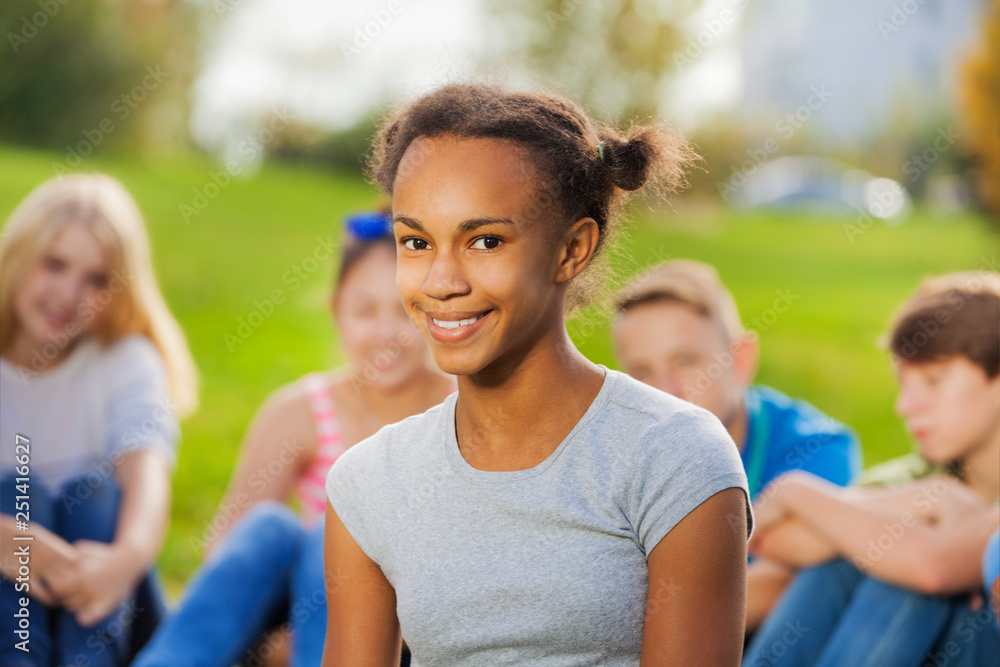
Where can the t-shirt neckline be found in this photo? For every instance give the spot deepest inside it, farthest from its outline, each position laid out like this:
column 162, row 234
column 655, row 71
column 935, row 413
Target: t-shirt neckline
column 472, row 474
column 79, row 352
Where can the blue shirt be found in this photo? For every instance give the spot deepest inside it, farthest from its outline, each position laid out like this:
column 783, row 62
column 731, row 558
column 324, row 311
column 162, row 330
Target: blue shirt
column 991, row 562
column 785, row 434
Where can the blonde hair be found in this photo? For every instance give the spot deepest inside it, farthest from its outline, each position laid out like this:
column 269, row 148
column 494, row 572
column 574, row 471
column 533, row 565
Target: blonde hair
column 105, row 208
column 692, row 283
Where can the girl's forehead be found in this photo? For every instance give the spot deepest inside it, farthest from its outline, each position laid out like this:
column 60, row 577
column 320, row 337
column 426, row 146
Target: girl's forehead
column 76, row 239
column 452, row 180
column 448, row 155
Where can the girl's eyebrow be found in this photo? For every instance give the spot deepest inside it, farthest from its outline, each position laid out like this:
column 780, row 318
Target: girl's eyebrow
column 463, row 228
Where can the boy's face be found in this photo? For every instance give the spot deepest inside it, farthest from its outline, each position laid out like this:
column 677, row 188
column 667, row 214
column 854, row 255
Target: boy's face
column 671, row 346
column 950, row 407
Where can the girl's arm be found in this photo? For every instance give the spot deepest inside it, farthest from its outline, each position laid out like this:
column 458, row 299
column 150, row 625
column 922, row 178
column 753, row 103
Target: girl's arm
column 279, row 445
column 696, row 604
column 47, row 553
column 362, row 627
column 104, row 574
column 938, row 557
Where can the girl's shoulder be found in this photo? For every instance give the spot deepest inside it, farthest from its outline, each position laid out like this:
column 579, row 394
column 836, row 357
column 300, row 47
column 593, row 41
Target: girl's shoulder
column 640, row 409
column 290, row 402
column 128, row 361
column 131, row 351
column 404, row 447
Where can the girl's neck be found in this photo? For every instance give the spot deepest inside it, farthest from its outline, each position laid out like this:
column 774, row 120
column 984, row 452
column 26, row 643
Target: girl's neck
column 513, row 414
column 32, row 354
column 981, row 468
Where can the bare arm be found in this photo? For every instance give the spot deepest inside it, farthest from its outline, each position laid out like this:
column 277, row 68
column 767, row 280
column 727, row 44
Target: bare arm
column 362, row 627
column 103, row 575
column 701, row 564
column 144, row 479
column 766, row 581
column 280, row 443
column 793, row 543
column 47, row 553
column 936, row 557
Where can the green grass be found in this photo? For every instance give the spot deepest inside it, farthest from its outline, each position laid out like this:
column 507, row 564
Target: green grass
column 213, row 267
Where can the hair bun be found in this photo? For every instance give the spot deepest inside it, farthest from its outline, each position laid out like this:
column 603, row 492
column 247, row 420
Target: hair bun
column 628, row 161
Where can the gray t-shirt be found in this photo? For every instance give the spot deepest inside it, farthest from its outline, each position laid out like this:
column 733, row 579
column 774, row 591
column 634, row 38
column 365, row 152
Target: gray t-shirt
column 541, row 566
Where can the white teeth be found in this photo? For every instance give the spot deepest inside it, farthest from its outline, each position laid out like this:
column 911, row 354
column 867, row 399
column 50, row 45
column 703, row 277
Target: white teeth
column 454, row 324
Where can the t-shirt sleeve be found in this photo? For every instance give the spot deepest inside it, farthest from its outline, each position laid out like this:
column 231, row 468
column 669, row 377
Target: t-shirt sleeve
column 139, row 412
column 681, row 463
column 346, row 491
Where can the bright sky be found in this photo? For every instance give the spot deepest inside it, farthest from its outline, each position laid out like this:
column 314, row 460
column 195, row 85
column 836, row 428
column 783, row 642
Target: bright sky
column 307, row 56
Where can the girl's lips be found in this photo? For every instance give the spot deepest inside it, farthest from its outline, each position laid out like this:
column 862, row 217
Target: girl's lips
column 443, row 335
column 57, row 322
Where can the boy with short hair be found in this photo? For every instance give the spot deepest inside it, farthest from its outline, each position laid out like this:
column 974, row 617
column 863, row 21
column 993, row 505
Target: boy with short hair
column 888, row 566
column 678, row 329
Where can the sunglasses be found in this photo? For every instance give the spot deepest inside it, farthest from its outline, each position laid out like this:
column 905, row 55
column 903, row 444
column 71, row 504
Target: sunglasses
column 369, row 226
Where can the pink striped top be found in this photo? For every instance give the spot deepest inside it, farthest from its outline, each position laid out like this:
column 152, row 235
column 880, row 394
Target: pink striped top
column 310, row 488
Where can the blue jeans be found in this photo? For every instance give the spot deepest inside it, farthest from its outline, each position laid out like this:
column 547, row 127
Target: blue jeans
column 832, row 615
column 85, row 508
column 268, row 570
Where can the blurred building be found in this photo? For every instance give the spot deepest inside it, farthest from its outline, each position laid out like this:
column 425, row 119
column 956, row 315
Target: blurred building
column 882, row 64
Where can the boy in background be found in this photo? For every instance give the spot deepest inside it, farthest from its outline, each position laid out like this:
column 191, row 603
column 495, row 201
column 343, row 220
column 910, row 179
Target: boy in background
column 678, row 329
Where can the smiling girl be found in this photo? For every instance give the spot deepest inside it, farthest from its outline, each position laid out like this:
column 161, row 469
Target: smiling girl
column 93, row 372
column 265, row 571
column 553, row 511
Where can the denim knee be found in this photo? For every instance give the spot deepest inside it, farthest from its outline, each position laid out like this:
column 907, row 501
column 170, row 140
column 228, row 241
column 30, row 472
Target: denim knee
column 267, row 528
column 271, row 519
column 839, row 569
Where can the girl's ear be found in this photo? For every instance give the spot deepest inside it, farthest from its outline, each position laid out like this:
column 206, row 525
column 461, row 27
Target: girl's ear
column 576, row 248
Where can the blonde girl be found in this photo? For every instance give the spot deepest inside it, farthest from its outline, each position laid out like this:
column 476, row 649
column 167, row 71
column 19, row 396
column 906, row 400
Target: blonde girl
column 94, row 372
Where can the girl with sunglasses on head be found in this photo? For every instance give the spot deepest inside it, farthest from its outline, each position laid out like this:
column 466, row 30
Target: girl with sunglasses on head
column 266, row 570
column 553, row 511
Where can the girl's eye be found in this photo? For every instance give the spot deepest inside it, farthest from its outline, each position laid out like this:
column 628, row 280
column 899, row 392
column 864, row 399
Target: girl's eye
column 487, row 243
column 415, row 244
column 98, row 281
column 685, row 361
column 53, row 264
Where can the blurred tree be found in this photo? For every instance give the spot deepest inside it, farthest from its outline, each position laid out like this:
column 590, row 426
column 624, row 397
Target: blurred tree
column 979, row 111
column 81, row 76
column 614, row 57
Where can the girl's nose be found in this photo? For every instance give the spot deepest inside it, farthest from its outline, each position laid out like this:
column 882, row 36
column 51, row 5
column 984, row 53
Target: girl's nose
column 445, row 278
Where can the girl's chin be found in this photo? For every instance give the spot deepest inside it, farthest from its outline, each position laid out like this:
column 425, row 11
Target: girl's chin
column 55, row 335
column 392, row 377
column 457, row 364
column 936, row 456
